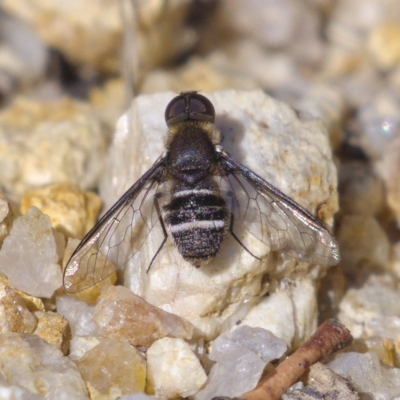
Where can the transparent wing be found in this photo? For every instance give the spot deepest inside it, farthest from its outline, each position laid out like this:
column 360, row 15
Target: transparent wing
column 274, row 218
column 120, row 233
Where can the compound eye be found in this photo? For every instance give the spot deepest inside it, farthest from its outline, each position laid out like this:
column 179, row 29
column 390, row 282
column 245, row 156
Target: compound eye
column 189, row 106
column 201, row 105
column 175, row 108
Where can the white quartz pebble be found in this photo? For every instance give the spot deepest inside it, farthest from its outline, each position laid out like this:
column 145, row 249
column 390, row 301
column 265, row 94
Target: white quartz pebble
column 234, row 374
column 173, row 370
column 29, row 255
column 241, row 357
column 79, row 315
column 260, row 341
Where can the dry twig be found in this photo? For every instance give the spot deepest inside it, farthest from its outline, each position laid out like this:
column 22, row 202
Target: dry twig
column 330, row 337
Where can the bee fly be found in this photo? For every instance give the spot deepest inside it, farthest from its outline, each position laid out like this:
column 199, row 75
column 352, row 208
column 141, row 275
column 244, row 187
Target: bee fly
column 197, row 194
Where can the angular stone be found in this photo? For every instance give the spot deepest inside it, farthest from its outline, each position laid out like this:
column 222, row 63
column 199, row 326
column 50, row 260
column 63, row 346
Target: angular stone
column 28, row 362
column 367, row 375
column 112, row 369
column 264, row 315
column 259, row 340
column 81, row 344
column 54, row 329
column 121, row 313
column 79, row 315
column 29, row 255
column 14, row 315
column 173, row 370
column 32, row 303
column 234, row 374
column 72, row 211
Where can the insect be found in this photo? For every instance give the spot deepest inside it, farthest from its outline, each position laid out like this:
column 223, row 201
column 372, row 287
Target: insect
column 196, row 194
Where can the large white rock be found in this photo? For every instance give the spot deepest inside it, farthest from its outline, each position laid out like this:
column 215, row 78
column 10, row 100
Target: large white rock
column 268, row 137
column 173, row 370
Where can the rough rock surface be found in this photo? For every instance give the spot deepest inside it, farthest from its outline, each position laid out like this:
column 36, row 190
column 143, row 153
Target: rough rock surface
column 29, row 255
column 72, row 211
column 31, row 364
column 54, row 329
column 14, row 315
column 122, row 314
column 173, row 369
column 40, row 148
column 112, row 369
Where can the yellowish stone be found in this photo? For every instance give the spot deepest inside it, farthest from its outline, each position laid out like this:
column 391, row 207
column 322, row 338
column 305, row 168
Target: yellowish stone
column 113, row 369
column 54, row 329
column 32, row 303
column 384, row 44
column 71, row 210
column 121, row 313
column 14, row 315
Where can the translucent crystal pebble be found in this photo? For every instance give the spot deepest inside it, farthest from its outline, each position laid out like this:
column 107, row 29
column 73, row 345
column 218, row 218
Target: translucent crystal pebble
column 79, row 315
column 367, row 374
column 29, row 255
column 173, row 369
column 262, row 342
column 28, row 362
column 121, row 313
column 234, row 374
column 112, row 369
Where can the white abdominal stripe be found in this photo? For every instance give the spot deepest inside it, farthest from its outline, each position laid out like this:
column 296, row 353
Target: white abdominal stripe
column 191, row 192
column 186, row 226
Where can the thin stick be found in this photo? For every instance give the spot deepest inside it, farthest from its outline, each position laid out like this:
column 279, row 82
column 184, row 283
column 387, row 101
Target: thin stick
column 330, row 337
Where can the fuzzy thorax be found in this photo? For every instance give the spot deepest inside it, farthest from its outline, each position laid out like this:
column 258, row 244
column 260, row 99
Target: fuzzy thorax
column 207, row 127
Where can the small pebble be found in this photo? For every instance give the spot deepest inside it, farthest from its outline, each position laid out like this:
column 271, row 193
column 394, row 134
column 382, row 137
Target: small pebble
column 173, row 369
column 121, row 313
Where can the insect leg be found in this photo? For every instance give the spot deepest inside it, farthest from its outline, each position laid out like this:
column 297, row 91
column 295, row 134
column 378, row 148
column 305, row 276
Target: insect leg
column 157, row 206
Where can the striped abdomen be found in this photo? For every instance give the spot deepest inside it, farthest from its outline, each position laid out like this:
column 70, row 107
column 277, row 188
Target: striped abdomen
column 197, row 218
